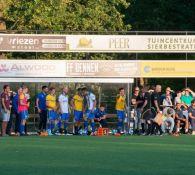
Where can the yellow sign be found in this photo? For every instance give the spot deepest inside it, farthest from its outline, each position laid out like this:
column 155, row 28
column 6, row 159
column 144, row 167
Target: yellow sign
column 173, row 69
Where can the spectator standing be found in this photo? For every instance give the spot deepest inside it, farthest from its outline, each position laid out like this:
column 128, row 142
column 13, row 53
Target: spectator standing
column 6, row 108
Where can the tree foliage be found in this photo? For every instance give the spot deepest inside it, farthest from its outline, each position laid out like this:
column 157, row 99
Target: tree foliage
column 65, row 15
column 161, row 15
column 68, row 15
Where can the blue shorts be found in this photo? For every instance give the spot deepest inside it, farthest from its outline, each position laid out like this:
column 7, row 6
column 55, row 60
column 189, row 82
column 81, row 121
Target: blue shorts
column 65, row 116
column 52, row 115
column 23, row 115
column 78, row 115
column 121, row 114
column 90, row 114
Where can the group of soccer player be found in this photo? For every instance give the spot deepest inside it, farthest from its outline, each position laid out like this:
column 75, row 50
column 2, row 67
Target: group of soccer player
column 54, row 111
column 151, row 111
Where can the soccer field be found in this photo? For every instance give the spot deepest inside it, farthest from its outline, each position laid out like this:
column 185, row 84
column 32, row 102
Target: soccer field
column 77, row 155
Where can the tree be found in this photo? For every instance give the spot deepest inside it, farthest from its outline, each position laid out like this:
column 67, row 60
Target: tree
column 161, row 15
column 65, row 15
column 68, row 15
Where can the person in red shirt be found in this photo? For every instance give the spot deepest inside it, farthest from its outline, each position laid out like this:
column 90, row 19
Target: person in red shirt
column 23, row 109
column 6, row 106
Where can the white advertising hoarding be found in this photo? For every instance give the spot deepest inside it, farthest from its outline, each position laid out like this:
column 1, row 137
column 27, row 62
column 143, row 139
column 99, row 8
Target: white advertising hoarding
column 68, row 68
column 83, row 69
column 97, row 43
column 32, row 68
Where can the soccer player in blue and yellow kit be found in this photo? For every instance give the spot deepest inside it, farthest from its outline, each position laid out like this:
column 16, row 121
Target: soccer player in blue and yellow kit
column 51, row 103
column 120, row 108
column 77, row 105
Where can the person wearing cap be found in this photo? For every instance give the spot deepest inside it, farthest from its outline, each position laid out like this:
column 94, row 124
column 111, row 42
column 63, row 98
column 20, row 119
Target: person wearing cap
column 77, row 104
column 168, row 121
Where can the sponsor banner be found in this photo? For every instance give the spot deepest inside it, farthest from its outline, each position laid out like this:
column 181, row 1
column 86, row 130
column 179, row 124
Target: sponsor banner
column 32, row 43
column 177, row 69
column 67, row 68
column 95, row 69
column 97, row 43
column 101, row 68
column 131, row 43
column 32, row 68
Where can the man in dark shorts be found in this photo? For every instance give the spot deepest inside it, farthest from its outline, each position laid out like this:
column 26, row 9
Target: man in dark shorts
column 180, row 119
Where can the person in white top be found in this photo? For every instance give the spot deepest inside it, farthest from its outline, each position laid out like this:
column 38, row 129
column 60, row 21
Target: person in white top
column 89, row 107
column 167, row 103
column 63, row 100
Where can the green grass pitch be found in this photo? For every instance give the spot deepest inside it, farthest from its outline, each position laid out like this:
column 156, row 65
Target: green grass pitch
column 77, row 155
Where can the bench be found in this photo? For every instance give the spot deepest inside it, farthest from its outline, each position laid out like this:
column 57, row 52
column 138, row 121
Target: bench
column 33, row 120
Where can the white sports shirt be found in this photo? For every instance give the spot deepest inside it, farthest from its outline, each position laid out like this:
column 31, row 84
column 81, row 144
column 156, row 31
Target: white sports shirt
column 64, row 105
column 90, row 100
